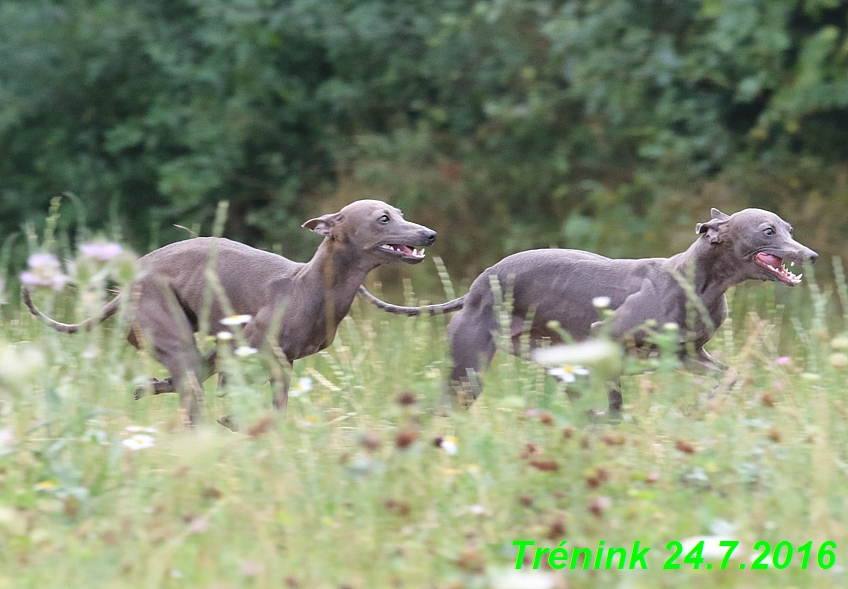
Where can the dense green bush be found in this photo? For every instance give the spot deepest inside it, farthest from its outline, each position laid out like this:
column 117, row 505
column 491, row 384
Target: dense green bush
column 604, row 124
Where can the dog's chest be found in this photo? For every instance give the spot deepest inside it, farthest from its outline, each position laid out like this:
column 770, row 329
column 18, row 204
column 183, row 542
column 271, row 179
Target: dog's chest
column 318, row 335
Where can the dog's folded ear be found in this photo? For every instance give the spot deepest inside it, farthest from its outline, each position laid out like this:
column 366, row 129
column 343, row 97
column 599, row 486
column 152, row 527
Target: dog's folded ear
column 711, row 227
column 324, row 224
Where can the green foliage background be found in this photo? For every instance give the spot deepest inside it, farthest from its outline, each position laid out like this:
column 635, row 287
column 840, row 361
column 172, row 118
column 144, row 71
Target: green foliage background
column 611, row 125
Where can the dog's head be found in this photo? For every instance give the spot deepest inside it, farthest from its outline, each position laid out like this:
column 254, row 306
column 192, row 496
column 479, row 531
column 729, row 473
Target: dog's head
column 761, row 242
column 377, row 228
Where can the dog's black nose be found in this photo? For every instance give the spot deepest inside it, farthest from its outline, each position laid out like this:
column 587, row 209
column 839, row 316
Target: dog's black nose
column 812, row 257
column 430, row 237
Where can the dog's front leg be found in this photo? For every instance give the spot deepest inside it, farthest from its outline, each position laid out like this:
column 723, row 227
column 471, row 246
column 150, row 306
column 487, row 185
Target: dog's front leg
column 280, row 379
column 614, row 398
column 703, row 363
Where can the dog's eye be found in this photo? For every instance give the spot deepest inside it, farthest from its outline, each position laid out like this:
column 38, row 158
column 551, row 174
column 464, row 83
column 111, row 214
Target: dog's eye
column 768, row 231
column 384, row 219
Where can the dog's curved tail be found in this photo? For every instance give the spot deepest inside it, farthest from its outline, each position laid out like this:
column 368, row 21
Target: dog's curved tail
column 431, row 310
column 107, row 311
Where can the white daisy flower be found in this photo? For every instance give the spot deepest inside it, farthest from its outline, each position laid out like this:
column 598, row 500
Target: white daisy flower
column 448, row 444
column 138, row 428
column 236, row 319
column 45, row 486
column 245, row 351
column 523, row 579
column 601, row 302
column 224, row 336
column 586, row 352
column 303, row 385
column 139, row 442
column 567, row 373
column 671, row 326
column 476, row 509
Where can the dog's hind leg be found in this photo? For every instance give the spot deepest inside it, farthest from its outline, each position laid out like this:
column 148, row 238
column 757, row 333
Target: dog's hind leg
column 472, row 346
column 154, row 386
column 169, row 331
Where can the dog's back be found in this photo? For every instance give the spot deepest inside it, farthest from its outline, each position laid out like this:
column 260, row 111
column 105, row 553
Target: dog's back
column 559, row 285
column 245, row 273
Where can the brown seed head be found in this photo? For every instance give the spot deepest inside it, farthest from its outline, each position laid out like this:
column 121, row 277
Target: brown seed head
column 405, row 437
column 545, row 464
column 599, row 505
column 471, row 560
column 211, row 493
column 370, row 440
column 529, row 450
column 685, row 446
column 596, row 477
column 556, row 529
column 613, row 439
column 400, row 507
column 406, row 398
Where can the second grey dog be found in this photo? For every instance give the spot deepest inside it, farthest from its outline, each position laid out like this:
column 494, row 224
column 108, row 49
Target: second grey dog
column 302, row 303
column 560, row 285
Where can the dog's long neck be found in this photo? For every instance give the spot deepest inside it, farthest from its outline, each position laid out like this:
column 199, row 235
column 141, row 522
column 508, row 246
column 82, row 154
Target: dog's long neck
column 710, row 269
column 335, row 273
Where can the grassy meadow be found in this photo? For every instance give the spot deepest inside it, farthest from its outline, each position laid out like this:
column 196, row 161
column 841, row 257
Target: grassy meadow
column 359, row 485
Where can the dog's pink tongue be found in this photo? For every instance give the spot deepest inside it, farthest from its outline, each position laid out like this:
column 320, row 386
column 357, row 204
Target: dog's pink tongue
column 770, row 259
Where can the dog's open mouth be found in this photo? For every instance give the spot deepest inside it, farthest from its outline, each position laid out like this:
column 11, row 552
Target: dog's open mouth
column 405, row 251
column 774, row 264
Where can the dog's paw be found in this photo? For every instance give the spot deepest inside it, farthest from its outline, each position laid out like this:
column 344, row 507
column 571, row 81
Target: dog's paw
column 142, row 390
column 154, row 386
column 610, row 416
column 228, row 421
